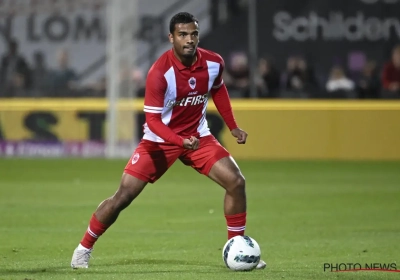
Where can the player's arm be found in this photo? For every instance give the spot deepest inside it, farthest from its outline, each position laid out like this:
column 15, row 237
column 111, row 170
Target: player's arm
column 221, row 99
column 222, row 102
column 220, row 95
column 156, row 86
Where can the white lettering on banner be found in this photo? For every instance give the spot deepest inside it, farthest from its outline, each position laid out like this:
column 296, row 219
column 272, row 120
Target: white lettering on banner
column 335, row 27
column 59, row 28
column 81, row 33
column 80, row 27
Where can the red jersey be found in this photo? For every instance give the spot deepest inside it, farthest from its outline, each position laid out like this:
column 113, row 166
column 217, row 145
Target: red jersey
column 180, row 93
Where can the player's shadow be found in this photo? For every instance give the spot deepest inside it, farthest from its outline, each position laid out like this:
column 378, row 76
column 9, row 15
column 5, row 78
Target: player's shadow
column 159, row 262
column 29, row 271
column 99, row 268
column 96, row 269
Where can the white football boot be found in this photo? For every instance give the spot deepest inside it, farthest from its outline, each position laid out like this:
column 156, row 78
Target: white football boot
column 80, row 258
column 261, row 265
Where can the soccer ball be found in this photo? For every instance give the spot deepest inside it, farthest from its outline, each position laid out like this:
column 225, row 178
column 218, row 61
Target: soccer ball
column 241, row 253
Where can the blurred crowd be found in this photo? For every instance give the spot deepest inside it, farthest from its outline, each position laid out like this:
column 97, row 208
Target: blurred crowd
column 18, row 78
column 297, row 80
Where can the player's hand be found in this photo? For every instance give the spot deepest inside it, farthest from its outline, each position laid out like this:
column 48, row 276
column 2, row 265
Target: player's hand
column 191, row 144
column 240, row 135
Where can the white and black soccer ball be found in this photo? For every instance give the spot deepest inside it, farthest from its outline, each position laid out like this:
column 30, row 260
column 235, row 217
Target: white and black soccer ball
column 241, row 253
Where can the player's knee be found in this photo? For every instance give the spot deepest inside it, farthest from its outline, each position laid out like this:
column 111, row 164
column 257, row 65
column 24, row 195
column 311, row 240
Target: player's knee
column 123, row 198
column 126, row 193
column 238, row 184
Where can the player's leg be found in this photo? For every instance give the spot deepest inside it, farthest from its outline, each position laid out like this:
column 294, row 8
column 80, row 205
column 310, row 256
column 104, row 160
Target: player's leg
column 214, row 161
column 104, row 216
column 108, row 210
column 227, row 174
column 147, row 164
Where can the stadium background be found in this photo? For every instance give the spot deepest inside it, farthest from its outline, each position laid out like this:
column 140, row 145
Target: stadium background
column 279, row 62
column 308, row 81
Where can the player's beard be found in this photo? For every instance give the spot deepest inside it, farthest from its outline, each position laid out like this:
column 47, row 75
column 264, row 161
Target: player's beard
column 187, row 53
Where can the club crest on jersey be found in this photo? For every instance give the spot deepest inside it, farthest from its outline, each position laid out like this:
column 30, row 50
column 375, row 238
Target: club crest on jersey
column 192, row 82
column 135, row 158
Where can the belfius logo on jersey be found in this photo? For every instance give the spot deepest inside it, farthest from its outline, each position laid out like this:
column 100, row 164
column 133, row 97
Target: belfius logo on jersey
column 188, row 101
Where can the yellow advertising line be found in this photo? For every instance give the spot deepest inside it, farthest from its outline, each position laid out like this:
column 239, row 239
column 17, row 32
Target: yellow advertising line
column 101, row 104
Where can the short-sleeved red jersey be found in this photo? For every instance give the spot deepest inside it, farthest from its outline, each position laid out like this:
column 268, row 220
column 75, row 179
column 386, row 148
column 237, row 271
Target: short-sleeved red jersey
column 180, row 93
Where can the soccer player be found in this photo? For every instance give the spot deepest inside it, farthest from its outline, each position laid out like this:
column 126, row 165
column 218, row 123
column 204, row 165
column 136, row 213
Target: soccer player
column 175, row 105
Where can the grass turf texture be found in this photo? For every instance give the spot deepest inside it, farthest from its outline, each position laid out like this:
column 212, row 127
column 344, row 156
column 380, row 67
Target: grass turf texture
column 303, row 214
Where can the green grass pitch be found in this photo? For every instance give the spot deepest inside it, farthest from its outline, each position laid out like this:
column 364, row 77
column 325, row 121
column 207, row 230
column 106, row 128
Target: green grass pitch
column 303, row 214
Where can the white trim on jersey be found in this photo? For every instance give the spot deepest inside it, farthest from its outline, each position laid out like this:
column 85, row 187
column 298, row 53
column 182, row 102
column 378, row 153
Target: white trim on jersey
column 166, row 112
column 213, row 71
column 170, row 94
column 152, row 109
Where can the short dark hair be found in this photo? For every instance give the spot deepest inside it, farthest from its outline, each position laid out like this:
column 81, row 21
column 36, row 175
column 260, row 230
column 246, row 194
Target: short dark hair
column 182, row 17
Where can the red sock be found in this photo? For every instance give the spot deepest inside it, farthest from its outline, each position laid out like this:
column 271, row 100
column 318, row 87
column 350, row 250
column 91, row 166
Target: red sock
column 94, row 231
column 236, row 224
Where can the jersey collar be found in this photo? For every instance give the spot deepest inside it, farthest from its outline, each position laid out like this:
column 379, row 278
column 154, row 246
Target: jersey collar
column 198, row 64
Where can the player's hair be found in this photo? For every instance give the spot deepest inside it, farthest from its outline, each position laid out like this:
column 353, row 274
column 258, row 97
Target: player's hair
column 182, row 17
